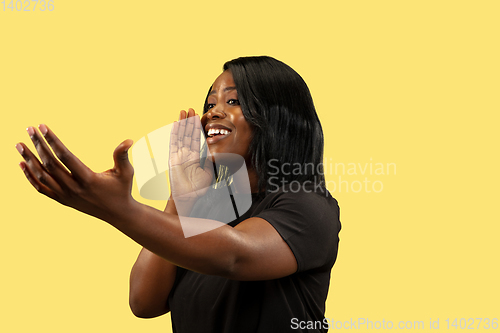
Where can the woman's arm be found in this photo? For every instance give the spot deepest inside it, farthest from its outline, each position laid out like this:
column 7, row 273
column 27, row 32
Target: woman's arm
column 251, row 251
column 151, row 280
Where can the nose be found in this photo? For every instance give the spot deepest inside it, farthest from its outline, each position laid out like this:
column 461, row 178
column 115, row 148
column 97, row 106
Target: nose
column 216, row 112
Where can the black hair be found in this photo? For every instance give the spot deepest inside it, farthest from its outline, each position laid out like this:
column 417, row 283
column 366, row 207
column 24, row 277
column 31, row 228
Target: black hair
column 287, row 134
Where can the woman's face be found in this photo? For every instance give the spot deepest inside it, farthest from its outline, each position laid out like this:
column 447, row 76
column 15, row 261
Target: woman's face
column 226, row 129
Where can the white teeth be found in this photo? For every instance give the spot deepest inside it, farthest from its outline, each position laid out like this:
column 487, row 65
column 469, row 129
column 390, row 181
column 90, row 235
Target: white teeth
column 216, row 131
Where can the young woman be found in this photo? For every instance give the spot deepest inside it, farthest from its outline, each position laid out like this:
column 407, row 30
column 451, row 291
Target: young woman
column 266, row 271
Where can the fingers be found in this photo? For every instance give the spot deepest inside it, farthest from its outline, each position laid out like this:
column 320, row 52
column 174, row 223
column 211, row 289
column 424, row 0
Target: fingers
column 41, row 180
column 185, row 131
column 181, row 130
column 122, row 163
column 188, row 134
column 182, row 123
column 185, row 138
column 174, row 134
column 182, row 115
column 77, row 168
column 195, row 139
column 48, row 162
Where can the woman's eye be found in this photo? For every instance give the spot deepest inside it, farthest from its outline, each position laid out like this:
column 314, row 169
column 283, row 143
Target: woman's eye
column 233, row 102
column 209, row 106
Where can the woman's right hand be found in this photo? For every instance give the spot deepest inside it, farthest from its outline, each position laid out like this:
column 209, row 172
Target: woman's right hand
column 188, row 179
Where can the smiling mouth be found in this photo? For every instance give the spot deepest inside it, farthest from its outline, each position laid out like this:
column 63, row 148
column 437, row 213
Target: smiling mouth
column 214, row 135
column 215, row 132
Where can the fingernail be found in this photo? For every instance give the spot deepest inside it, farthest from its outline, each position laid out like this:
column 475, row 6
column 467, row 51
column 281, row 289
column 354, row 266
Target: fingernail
column 31, row 131
column 43, row 129
column 20, row 148
column 22, row 165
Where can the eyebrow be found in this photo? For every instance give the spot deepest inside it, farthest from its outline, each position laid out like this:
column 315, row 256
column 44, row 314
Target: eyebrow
column 225, row 90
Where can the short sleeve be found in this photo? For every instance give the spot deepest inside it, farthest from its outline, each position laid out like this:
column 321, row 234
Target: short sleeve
column 309, row 223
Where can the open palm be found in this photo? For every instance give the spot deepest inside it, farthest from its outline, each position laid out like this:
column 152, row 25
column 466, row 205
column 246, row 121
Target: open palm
column 188, row 178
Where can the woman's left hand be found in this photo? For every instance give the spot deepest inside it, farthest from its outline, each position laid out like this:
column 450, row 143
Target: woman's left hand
column 103, row 195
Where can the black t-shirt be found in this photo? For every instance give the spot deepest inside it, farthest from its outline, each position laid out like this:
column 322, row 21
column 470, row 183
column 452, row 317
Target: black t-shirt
column 308, row 220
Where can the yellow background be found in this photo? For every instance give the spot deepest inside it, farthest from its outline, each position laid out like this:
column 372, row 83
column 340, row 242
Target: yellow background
column 415, row 83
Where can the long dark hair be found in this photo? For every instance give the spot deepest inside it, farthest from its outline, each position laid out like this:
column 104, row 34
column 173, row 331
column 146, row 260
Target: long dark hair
column 287, row 133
